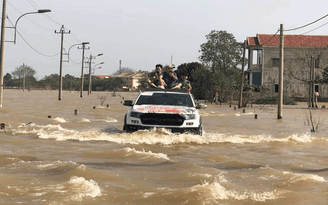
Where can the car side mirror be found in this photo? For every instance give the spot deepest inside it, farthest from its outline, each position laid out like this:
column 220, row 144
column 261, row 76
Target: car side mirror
column 128, row 102
column 201, row 106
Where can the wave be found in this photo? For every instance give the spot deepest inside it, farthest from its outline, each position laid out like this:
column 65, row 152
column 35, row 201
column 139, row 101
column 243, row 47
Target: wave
column 215, row 192
column 155, row 136
column 84, row 120
column 145, row 154
column 79, row 187
column 296, row 177
column 60, row 120
column 212, row 192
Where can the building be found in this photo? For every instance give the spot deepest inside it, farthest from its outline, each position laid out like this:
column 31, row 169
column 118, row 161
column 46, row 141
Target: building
column 304, row 55
column 130, row 80
column 104, row 76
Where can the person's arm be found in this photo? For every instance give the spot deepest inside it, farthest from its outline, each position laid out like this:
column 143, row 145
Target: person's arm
column 173, row 75
column 161, row 80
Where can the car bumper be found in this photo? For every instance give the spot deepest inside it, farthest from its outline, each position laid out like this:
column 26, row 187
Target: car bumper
column 133, row 128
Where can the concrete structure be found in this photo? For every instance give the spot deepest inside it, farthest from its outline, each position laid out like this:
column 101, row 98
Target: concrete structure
column 263, row 63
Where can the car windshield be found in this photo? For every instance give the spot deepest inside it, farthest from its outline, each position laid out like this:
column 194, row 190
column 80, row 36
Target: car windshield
column 165, row 99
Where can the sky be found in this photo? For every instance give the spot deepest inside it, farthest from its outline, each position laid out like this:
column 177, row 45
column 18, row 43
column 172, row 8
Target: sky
column 141, row 33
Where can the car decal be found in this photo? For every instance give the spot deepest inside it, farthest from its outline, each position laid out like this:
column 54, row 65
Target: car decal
column 162, row 109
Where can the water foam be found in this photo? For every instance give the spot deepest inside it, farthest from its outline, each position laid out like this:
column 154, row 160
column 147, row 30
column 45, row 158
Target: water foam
column 154, row 136
column 296, row 177
column 60, row 120
column 215, row 191
column 83, row 188
column 146, row 154
column 85, row 120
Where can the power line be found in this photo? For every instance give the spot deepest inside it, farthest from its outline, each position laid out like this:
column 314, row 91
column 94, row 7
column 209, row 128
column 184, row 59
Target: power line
column 33, row 4
column 37, row 7
column 34, row 48
column 314, row 29
column 306, row 24
column 29, row 19
column 30, row 44
column 46, row 15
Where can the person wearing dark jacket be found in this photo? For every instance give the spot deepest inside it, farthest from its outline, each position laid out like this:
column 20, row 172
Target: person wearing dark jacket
column 170, row 78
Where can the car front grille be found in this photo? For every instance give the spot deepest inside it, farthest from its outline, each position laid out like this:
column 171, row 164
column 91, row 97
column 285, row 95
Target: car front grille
column 161, row 119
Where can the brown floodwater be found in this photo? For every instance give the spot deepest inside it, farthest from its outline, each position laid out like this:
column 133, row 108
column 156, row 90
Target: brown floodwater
column 74, row 151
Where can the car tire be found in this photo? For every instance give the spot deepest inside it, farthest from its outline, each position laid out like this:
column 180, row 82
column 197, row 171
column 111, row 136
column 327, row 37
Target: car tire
column 124, row 126
column 200, row 130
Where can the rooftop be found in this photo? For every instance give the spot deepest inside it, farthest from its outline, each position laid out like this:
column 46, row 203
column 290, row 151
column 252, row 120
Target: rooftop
column 289, row 40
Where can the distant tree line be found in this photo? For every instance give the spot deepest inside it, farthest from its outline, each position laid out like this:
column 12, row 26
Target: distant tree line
column 15, row 79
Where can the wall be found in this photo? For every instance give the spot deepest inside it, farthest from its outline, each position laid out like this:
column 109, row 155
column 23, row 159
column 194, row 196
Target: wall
column 296, row 64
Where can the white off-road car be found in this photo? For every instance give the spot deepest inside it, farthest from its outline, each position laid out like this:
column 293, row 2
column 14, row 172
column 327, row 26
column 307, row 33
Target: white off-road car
column 174, row 110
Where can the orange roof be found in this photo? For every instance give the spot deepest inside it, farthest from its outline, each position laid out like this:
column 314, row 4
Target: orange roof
column 103, row 76
column 289, row 40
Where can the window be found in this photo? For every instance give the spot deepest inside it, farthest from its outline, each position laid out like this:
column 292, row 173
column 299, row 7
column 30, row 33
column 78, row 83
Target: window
column 275, row 62
column 316, row 88
column 276, row 88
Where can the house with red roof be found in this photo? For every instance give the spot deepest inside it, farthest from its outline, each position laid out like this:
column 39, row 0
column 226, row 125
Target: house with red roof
column 131, row 81
column 301, row 53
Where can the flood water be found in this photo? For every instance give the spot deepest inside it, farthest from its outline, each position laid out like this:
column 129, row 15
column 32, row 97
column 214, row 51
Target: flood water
column 74, row 151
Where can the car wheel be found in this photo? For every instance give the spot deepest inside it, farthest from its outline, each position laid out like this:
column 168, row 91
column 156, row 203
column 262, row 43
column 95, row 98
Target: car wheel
column 200, row 130
column 124, row 126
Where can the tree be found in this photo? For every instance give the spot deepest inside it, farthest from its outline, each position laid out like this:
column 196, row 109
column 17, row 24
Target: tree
column 221, row 54
column 189, row 69
column 19, row 71
column 221, row 51
column 7, row 79
column 124, row 70
column 26, row 72
column 308, row 68
column 71, row 83
column 50, row 82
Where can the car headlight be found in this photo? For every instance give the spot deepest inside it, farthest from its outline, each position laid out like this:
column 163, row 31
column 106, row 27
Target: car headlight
column 135, row 114
column 189, row 116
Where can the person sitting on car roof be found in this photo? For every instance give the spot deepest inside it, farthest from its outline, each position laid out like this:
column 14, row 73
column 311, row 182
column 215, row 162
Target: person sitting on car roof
column 157, row 80
column 185, row 83
column 171, row 78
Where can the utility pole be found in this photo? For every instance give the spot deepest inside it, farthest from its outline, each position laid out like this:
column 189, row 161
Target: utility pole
column 24, row 76
column 240, row 103
column 281, row 73
column 62, row 32
column 2, row 48
column 89, row 90
column 90, row 76
column 312, row 77
column 82, row 75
